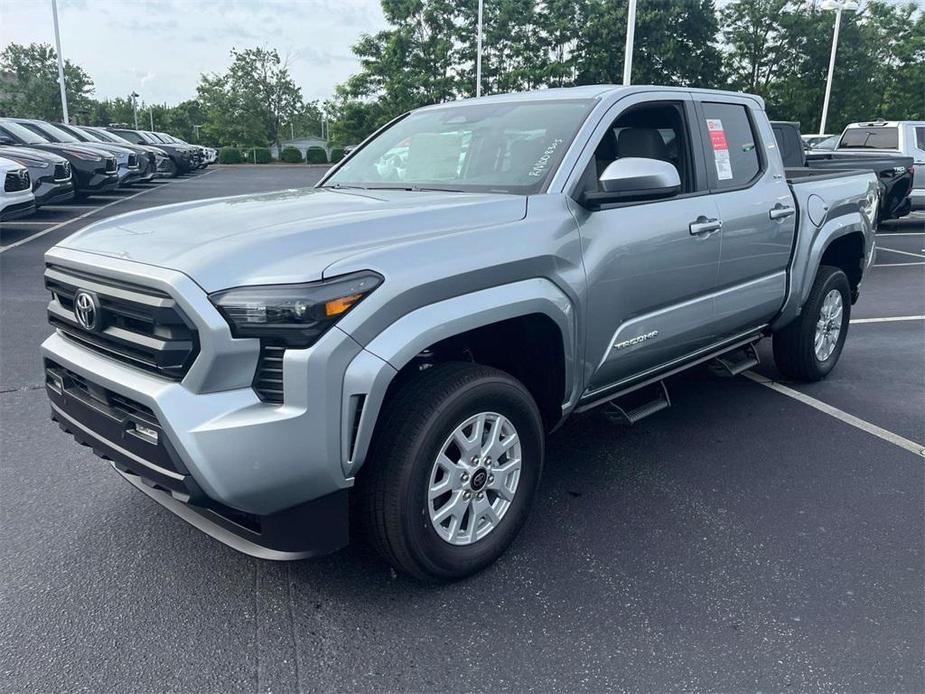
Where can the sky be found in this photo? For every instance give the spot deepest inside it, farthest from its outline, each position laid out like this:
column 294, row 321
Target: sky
column 159, row 48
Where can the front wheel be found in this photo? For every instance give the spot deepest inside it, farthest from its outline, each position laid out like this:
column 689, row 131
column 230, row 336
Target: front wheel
column 808, row 348
column 453, row 471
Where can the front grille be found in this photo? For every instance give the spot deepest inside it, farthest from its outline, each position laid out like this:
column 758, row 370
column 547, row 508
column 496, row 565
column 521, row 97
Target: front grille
column 268, row 380
column 63, row 171
column 132, row 161
column 110, row 165
column 17, row 181
column 138, row 325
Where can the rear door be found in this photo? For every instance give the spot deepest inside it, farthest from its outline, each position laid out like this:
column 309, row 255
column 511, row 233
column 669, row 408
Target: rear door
column 746, row 177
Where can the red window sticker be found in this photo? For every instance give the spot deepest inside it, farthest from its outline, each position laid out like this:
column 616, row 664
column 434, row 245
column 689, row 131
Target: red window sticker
column 720, row 148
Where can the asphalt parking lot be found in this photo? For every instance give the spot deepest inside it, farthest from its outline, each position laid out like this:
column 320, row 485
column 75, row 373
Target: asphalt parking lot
column 747, row 539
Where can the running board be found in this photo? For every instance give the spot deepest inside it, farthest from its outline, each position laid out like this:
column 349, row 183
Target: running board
column 639, row 404
column 733, row 363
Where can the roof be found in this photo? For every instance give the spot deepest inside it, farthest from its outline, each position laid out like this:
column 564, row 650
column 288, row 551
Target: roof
column 884, row 123
column 591, row 91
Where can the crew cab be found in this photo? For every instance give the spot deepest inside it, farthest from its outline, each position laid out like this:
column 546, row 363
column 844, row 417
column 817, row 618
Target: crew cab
column 407, row 336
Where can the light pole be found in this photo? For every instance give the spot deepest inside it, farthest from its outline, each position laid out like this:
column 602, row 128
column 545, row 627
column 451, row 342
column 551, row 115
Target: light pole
column 135, row 108
column 838, row 6
column 478, row 54
column 54, row 14
column 628, row 48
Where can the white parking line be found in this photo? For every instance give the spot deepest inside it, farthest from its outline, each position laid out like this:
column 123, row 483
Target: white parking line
column 887, row 234
column 893, row 250
column 18, row 222
column 898, row 264
column 86, row 214
column 71, row 207
column 841, row 415
column 889, row 319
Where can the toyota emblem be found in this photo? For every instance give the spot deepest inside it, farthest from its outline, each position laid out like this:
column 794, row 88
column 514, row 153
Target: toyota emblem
column 86, row 310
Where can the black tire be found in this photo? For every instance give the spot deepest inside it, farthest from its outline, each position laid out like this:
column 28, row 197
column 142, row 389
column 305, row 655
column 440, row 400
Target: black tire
column 794, row 351
column 415, row 423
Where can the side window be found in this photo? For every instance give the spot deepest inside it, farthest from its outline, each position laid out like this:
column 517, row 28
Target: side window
column 731, row 145
column 920, row 138
column 654, row 131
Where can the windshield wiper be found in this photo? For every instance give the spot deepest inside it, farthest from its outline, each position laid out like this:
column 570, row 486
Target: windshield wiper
column 341, row 186
column 418, row 189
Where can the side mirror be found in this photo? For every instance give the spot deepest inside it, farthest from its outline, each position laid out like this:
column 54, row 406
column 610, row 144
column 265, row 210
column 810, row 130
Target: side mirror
column 633, row 179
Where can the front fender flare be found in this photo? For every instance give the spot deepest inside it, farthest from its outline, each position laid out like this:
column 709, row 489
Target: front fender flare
column 369, row 374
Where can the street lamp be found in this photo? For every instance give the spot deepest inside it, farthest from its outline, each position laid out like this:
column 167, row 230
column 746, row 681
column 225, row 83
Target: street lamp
column 135, row 108
column 839, row 6
column 628, row 48
column 54, row 15
column 478, row 54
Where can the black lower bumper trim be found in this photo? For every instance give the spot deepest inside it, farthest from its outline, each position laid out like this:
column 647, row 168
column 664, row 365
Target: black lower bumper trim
column 104, row 421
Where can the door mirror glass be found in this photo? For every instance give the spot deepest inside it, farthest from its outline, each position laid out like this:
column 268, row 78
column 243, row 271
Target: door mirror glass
column 631, row 179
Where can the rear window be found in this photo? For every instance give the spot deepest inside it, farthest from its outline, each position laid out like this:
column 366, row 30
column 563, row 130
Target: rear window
column 870, row 138
column 920, row 138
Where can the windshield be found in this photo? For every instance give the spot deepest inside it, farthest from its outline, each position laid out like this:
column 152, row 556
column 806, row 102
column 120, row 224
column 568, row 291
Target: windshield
column 19, row 132
column 154, row 137
column 487, row 147
column 105, row 136
column 53, row 133
column 87, row 135
column 870, row 138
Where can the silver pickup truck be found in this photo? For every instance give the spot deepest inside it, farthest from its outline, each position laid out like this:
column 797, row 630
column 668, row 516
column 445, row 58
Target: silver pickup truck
column 394, row 344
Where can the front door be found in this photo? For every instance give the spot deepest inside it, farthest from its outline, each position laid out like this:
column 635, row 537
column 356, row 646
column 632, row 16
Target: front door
column 652, row 265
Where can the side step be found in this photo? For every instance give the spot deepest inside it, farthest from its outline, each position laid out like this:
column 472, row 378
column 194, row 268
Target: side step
column 736, row 362
column 639, row 404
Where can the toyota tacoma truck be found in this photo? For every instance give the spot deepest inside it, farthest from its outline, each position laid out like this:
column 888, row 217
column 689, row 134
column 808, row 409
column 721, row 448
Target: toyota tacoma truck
column 391, row 347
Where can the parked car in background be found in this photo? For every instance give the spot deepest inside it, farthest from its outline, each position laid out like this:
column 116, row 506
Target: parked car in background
column 829, row 143
column 810, row 141
column 163, row 165
column 180, row 155
column 905, row 137
column 197, row 155
column 16, row 198
column 94, row 170
column 127, row 167
column 894, row 173
column 52, row 181
column 145, row 167
column 407, row 337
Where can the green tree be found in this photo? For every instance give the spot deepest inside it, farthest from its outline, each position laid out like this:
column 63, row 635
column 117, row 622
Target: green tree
column 252, row 101
column 674, row 43
column 30, row 88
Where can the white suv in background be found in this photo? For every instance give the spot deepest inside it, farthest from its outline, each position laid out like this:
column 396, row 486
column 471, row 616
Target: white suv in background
column 906, row 137
column 16, row 198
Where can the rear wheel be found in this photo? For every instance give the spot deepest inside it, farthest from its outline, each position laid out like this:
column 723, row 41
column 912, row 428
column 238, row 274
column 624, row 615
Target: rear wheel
column 453, row 471
column 809, row 347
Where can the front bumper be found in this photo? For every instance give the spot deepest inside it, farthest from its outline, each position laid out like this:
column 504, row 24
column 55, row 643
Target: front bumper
column 235, row 462
column 49, row 191
column 18, row 209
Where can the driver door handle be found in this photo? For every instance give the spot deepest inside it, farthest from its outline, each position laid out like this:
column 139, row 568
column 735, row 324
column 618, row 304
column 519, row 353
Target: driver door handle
column 702, row 226
column 780, row 212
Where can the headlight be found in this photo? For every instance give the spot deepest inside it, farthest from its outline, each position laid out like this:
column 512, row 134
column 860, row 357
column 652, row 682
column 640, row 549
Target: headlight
column 294, row 314
column 84, row 154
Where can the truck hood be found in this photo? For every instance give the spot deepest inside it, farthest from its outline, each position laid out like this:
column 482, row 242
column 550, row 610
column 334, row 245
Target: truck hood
column 286, row 236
